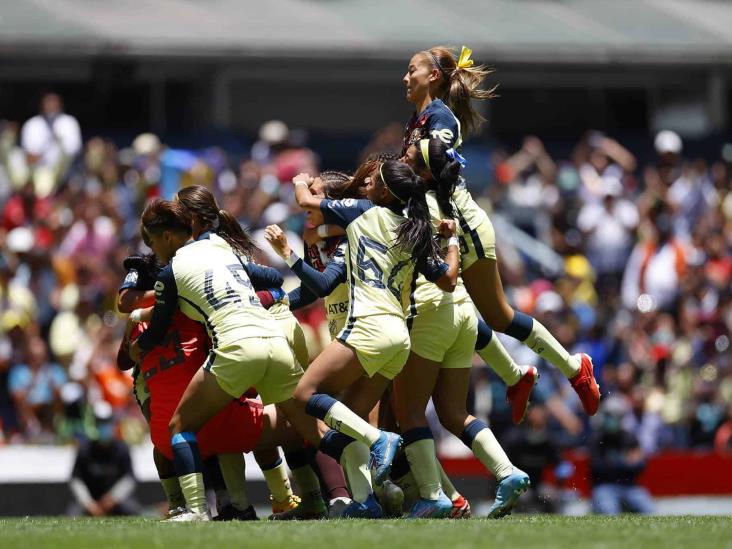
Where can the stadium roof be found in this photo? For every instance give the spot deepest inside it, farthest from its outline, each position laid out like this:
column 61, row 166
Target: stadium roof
column 546, row 31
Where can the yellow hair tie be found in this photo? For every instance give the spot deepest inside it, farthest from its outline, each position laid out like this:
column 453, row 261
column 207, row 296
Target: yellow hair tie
column 464, row 61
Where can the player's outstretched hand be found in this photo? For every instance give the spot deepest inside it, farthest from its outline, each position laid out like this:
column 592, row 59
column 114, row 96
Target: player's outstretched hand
column 278, row 240
column 447, row 228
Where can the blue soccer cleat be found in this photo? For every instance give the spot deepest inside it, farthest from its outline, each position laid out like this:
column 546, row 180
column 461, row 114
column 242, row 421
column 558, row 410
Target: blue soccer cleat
column 431, row 508
column 369, row 509
column 508, row 493
column 383, row 452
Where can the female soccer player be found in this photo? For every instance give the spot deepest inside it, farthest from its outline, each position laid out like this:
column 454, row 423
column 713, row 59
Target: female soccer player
column 211, row 284
column 384, row 249
column 207, row 216
column 443, row 333
column 185, row 346
column 433, row 78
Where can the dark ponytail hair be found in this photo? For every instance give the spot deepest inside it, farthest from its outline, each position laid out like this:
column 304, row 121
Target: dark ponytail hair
column 416, row 232
column 200, row 202
column 459, row 85
column 432, row 154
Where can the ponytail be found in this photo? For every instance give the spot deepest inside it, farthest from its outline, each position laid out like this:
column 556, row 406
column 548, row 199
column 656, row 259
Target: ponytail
column 444, row 168
column 460, row 83
column 415, row 233
column 230, row 230
column 200, row 202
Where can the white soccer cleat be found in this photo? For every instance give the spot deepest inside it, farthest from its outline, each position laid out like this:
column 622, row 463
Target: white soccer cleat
column 190, row 516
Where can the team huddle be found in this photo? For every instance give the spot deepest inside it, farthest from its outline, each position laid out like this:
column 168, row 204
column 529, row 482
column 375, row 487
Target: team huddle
column 403, row 257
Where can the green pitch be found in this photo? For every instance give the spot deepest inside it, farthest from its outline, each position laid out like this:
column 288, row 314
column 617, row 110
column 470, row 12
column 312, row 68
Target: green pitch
column 529, row 531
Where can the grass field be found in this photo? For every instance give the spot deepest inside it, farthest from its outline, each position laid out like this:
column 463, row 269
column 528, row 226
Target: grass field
column 528, row 531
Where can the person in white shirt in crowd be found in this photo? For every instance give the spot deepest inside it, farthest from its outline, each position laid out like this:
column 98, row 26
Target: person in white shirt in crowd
column 653, row 275
column 599, row 158
column 608, row 227
column 51, row 140
column 691, row 192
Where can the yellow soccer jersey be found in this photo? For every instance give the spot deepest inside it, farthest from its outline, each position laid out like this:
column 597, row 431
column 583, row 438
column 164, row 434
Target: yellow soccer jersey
column 470, row 214
column 427, row 295
column 210, row 284
column 380, row 274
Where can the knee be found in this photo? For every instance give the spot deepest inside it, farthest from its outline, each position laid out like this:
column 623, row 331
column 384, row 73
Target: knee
column 452, row 417
column 303, row 392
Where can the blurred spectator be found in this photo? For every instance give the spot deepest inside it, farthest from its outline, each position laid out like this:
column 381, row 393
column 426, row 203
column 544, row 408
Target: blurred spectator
column 36, row 390
column 51, row 141
column 102, row 481
column 533, row 450
column 616, row 460
column 608, row 226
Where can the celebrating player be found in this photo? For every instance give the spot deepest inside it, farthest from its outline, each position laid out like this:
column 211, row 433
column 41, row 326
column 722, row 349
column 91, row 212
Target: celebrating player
column 435, row 77
column 383, row 250
column 211, row 284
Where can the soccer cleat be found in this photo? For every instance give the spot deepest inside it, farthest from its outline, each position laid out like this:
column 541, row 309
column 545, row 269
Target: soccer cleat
column 308, row 509
column 291, row 502
column 175, row 512
column 585, row 385
column 460, row 508
column 508, row 493
column 383, row 452
column 517, row 395
column 431, row 508
column 369, row 509
column 190, row 516
column 391, row 500
column 337, row 506
column 229, row 512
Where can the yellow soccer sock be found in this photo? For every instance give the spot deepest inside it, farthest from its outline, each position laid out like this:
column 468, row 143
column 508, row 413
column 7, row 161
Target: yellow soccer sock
column 489, row 452
column 355, row 463
column 308, row 482
column 277, row 481
column 547, row 347
column 409, row 487
column 496, row 356
column 423, row 463
column 194, row 492
column 341, row 418
column 232, row 469
column 173, row 493
column 447, row 486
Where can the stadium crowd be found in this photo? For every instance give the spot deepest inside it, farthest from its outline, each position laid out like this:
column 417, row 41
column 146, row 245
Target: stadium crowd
column 644, row 285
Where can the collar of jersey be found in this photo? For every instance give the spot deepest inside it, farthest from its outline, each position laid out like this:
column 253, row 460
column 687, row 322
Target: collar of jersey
column 205, row 235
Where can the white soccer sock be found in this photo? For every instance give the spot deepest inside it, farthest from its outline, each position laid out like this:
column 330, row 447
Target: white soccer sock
column 173, row 493
column 447, row 486
column 547, row 347
column 423, row 463
column 355, row 463
column 342, row 419
column 194, row 492
column 489, row 452
column 497, row 357
column 232, row 470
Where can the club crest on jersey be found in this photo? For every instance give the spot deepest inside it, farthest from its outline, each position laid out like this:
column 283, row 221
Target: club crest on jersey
column 131, row 278
column 159, row 287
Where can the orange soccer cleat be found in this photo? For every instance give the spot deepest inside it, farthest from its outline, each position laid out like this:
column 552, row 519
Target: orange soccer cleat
column 585, row 384
column 518, row 395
